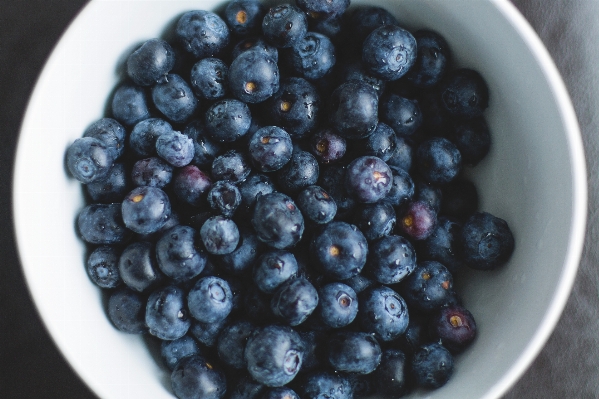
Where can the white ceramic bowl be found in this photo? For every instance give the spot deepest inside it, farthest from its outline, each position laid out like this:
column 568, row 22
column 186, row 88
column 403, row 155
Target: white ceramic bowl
column 534, row 178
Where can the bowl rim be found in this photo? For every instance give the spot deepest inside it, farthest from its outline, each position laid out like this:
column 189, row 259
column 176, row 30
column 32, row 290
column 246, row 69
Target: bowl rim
column 579, row 201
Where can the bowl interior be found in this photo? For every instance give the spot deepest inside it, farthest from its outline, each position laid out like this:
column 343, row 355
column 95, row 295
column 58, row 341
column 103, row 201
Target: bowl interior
column 534, row 178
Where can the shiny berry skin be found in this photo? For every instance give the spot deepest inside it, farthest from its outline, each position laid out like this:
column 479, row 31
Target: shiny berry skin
column 400, row 113
column 110, row 132
column 277, row 220
column 325, row 384
column 174, row 98
column 432, row 59
column 224, row 198
column 389, row 52
column 253, row 76
column 146, row 209
column 102, row 224
column 391, row 376
column 313, row 56
column 417, row 220
column 431, row 366
column 279, row 393
column 172, row 352
column 339, row 250
column 209, row 79
column 202, row 33
column 368, row 179
column 354, row 352
column 88, row 159
column 166, row 314
column 316, row 205
column 383, row 312
column 231, row 343
column 464, row 93
column 294, row 300
column 191, row 184
column 210, row 300
column 338, row 304
column 196, row 377
column 130, row 104
column 274, row 355
column 142, row 140
column 177, row 254
column 487, row 241
column 242, row 259
column 270, row 148
column 103, row 266
column 429, row 287
column 472, row 138
column 112, row 188
column 255, row 185
column 454, row 326
column 175, row 148
column 323, row 10
column 126, row 310
column 228, row 120
column 327, row 145
column 438, row 160
column 402, row 188
column 391, row 259
column 244, row 17
column 353, row 109
column 444, row 244
column 151, row 62
column 381, row 143
column 375, row 220
column 300, row 172
column 138, row 267
column 273, row 268
column 255, row 43
column 220, row 235
column 232, row 165
column 284, row 25
column 205, row 149
column 153, row 171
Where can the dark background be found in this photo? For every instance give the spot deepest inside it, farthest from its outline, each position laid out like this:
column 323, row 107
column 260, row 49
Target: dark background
column 32, row 367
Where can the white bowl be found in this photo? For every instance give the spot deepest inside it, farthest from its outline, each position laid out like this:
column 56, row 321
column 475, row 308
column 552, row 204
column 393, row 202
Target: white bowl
column 534, row 178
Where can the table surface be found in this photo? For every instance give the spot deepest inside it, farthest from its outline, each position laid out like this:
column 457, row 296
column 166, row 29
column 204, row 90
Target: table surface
column 32, row 367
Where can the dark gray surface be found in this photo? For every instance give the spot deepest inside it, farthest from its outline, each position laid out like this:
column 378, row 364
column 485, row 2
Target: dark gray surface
column 32, row 367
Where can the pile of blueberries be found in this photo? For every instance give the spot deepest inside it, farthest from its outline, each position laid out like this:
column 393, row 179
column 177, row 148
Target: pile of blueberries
column 277, row 198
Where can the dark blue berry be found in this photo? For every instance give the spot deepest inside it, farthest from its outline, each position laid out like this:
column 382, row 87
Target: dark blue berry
column 273, row 268
column 224, row 198
column 401, row 113
column 338, row 304
column 255, row 43
column 313, row 56
column 429, row 287
column 191, row 184
column 354, row 352
column 383, row 312
column 454, row 326
column 253, row 76
column 443, row 245
column 375, row 220
column 246, row 387
column 202, row 33
column 154, row 172
column 487, row 241
column 102, row 224
column 353, row 109
column 359, row 282
column 354, row 70
column 294, row 300
column 274, row 355
column 389, row 52
column 327, row 146
column 431, row 366
column 325, row 384
column 381, row 143
column 173, row 351
column 390, row 378
column 209, row 79
column 391, row 259
column 196, row 377
column 210, row 300
column 270, row 148
column 112, row 188
column 110, row 132
column 401, row 158
column 207, row 333
column 429, row 193
column 368, row 179
column 220, row 235
column 339, row 250
column 332, row 180
column 366, row 19
column 174, row 98
column 472, row 138
column 89, row 159
column 432, row 59
column 255, row 185
column 103, row 266
column 284, row 25
column 166, row 313
column 232, row 165
column 438, row 160
column 244, row 17
column 323, row 10
column 138, row 267
column 277, row 220
column 175, row 148
column 205, row 149
column 228, row 120
column 300, row 172
column 464, row 93
column 126, row 311
column 177, row 254
column 417, row 220
column 316, row 204
column 232, row 341
column 130, row 104
column 142, row 140
column 146, row 209
column 244, row 256
column 151, row 62
column 402, row 188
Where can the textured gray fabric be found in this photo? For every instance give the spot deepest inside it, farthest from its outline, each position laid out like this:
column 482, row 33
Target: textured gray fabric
column 568, row 366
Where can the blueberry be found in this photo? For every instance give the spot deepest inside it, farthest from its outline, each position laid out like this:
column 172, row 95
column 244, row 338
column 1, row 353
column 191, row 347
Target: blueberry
column 209, row 79
column 313, row 56
column 245, row 255
column 464, row 93
column 274, row 355
column 205, row 149
column 253, row 76
column 138, row 266
column 151, row 62
column 220, row 235
column 460, row 199
column 383, row 312
column 112, row 188
column 353, row 109
column 110, row 132
column 389, row 52
column 210, row 300
column 339, row 250
column 255, row 43
column 255, row 185
column 207, row 333
column 232, row 341
column 401, row 158
column 202, row 33
column 126, row 311
column 103, row 267
column 88, row 159
column 381, row 143
column 323, row 10
column 454, row 326
column 146, row 209
column 487, row 241
column 270, row 148
column 417, row 220
column 443, row 245
column 354, row 70
column 390, row 377
column 438, row 160
column 472, row 138
column 172, row 352
column 325, row 384
column 432, row 59
column 191, row 185
column 295, row 106
column 142, row 140
column 224, row 198
column 401, row 114
column 153, row 172
column 166, row 314
column 102, row 224
column 368, row 179
column 273, row 268
column 327, row 145
column 196, row 377
column 232, row 165
column 316, row 205
column 359, row 282
column 429, row 193
column 279, row 393
column 432, row 366
column 284, row 25
column 354, row 352
column 402, row 188
column 174, row 98
column 244, row 17
column 294, row 300
column 177, row 254
column 332, row 180
column 228, row 120
column 130, row 104
column 365, row 19
column 375, row 220
column 391, row 259
column 277, row 220
column 338, row 304
column 300, row 172
column 429, row 287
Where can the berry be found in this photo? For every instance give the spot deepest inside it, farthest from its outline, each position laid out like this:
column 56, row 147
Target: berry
column 146, row 209
column 209, row 79
column 277, row 220
column 389, row 52
column 368, row 179
column 294, row 300
column 354, row 352
column 151, row 62
column 220, row 235
column 166, row 314
column 202, row 33
column 432, row 366
column 487, row 241
column 196, row 377
column 383, row 312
